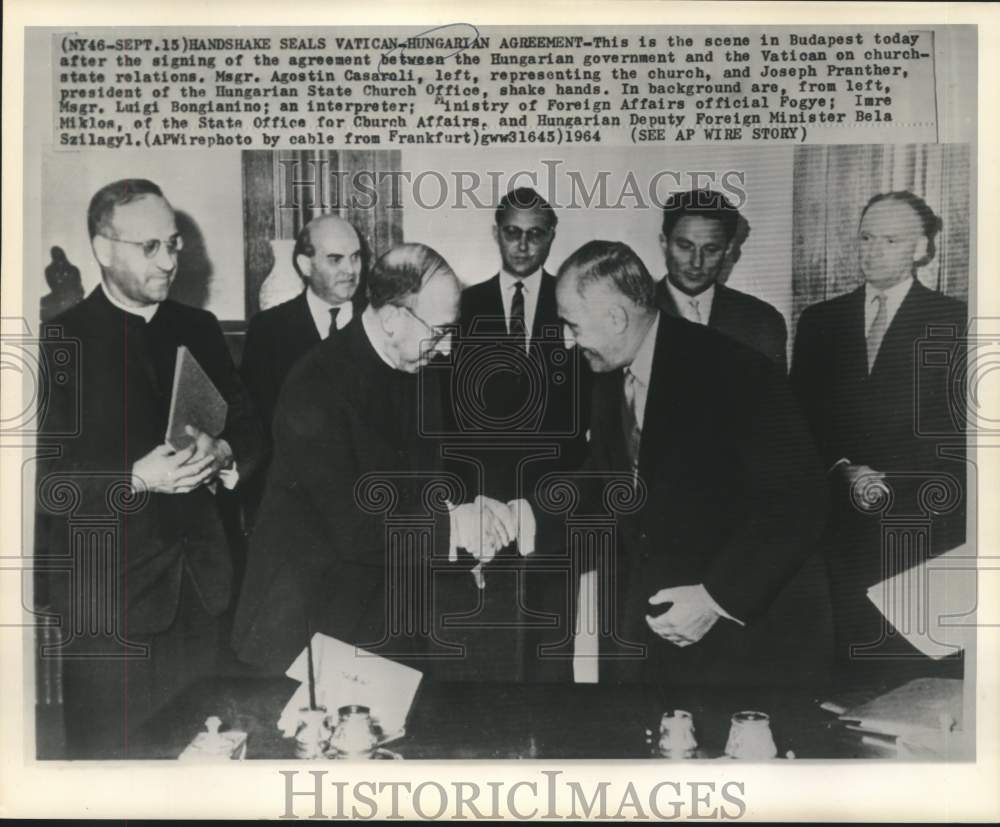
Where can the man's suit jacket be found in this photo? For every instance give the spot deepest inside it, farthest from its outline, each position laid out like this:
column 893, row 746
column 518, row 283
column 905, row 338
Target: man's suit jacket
column 319, row 551
column 742, row 317
column 111, row 411
column 516, row 416
column 898, row 418
column 276, row 339
column 735, row 499
column 553, row 395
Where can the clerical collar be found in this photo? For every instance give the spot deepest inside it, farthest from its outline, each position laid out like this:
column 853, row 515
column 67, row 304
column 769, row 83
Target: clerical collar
column 376, row 336
column 146, row 312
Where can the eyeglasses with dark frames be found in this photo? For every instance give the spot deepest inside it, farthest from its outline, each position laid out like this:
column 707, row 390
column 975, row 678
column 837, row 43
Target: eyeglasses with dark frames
column 535, row 235
column 438, row 332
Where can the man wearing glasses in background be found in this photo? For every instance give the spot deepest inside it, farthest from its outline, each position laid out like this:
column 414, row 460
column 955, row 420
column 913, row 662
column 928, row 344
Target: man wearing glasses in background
column 139, row 608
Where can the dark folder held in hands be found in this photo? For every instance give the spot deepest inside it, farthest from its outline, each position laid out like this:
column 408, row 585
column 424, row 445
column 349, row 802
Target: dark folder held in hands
column 194, row 401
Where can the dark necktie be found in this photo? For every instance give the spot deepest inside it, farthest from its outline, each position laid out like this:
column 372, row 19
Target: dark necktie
column 334, row 311
column 630, row 421
column 518, row 331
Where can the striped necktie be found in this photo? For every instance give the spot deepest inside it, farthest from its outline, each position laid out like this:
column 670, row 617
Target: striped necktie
column 877, row 331
column 518, row 329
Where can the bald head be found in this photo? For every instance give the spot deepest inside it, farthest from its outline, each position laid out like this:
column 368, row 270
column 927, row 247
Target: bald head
column 328, row 256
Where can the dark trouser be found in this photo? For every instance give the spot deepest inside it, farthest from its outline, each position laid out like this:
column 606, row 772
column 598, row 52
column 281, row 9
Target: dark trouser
column 106, row 700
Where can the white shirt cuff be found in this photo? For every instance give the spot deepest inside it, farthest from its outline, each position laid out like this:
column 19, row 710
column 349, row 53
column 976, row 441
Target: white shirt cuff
column 718, row 609
column 230, row 477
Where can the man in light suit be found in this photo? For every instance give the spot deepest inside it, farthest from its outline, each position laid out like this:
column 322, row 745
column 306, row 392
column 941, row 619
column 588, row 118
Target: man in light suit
column 327, row 256
column 733, row 497
column 699, row 232
column 881, row 415
column 521, row 413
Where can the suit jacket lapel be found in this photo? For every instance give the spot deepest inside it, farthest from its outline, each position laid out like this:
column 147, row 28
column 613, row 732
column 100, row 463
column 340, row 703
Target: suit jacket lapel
column 896, row 335
column 546, row 312
column 657, row 417
column 305, row 322
column 856, row 352
column 720, row 306
column 135, row 351
column 488, row 315
column 665, row 299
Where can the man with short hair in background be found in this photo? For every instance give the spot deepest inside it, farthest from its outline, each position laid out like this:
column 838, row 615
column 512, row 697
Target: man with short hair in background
column 698, row 240
column 328, row 257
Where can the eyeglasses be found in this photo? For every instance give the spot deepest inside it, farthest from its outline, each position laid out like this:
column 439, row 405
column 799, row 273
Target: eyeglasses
column 438, row 332
column 151, row 246
column 535, row 235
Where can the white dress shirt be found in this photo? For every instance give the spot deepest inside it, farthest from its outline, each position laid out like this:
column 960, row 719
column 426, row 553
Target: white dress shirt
column 893, row 299
column 642, row 369
column 532, row 285
column 703, row 302
column 320, row 311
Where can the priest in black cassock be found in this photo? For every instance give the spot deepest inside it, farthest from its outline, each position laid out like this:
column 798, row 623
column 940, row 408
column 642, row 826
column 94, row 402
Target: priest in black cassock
column 137, row 564
column 354, row 538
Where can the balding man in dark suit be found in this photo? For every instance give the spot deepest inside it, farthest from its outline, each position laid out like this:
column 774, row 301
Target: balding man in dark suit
column 881, row 416
column 327, row 256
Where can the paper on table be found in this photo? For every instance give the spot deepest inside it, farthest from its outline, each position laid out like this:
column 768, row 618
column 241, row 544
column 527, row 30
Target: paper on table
column 347, row 674
column 932, row 605
column 920, row 708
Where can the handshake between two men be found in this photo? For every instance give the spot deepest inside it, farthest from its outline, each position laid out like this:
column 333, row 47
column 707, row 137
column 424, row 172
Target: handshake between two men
column 485, row 525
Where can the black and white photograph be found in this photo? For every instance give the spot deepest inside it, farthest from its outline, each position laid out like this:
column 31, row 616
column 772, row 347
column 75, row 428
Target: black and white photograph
column 484, row 393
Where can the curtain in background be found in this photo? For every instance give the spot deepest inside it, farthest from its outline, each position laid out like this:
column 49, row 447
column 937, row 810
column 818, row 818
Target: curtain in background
column 832, row 184
column 284, row 190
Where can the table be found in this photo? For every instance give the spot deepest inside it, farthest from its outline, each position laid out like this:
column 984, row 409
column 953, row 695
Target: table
column 508, row 721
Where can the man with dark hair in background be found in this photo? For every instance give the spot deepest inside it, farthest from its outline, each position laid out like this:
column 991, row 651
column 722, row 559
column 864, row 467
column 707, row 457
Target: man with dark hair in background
column 868, row 396
column 327, row 256
column 140, row 600
column 699, row 234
